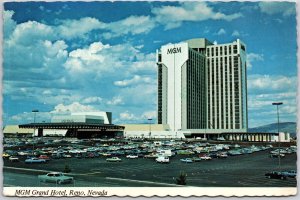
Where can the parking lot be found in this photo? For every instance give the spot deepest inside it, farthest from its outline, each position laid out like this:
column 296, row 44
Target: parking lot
column 247, row 170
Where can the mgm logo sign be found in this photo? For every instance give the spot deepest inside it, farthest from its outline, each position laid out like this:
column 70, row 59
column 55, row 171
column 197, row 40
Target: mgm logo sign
column 174, row 50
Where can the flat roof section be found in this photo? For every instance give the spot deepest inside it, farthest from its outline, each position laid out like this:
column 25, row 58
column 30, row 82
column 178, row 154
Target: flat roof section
column 76, row 125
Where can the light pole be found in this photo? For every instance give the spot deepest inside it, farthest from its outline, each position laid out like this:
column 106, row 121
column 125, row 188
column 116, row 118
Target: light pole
column 150, row 127
column 278, row 104
column 34, row 114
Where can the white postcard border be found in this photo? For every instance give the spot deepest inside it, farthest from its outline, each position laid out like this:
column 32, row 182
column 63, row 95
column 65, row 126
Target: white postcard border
column 149, row 192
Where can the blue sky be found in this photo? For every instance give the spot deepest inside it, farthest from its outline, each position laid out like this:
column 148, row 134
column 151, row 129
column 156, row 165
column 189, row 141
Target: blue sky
column 66, row 57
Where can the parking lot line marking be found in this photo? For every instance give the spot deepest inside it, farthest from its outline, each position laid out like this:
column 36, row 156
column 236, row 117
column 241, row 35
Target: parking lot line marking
column 92, row 173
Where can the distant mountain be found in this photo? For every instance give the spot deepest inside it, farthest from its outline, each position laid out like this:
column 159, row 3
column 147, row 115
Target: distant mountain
column 289, row 127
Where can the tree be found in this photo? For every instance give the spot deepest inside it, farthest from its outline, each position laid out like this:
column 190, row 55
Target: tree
column 181, row 180
column 67, row 169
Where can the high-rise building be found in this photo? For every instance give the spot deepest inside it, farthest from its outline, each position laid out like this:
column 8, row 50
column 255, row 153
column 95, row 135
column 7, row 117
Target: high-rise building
column 203, row 86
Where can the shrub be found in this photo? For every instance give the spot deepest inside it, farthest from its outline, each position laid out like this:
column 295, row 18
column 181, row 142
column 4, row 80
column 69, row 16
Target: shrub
column 67, row 169
column 181, row 180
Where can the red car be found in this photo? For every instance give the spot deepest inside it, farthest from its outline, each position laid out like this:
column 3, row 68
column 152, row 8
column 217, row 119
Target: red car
column 44, row 157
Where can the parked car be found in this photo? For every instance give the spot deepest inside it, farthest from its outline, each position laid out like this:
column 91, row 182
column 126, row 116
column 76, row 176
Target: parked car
column 205, row 157
column 114, row 159
column 290, row 173
column 13, row 159
column 275, row 175
column 56, row 156
column 35, row 160
column 132, row 156
column 90, row 155
column 44, row 157
column 186, row 160
column 162, row 160
column 234, row 153
column 195, row 159
column 152, row 155
column 5, row 155
column 56, row 177
column 212, row 155
column 222, row 155
column 67, row 156
column 276, row 155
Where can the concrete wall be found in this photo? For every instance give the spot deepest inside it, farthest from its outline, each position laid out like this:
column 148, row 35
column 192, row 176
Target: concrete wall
column 173, row 57
column 154, row 134
column 145, row 127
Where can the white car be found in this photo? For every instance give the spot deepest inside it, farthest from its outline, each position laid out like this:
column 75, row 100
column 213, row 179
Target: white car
column 131, row 156
column 162, row 160
column 205, row 157
column 13, row 159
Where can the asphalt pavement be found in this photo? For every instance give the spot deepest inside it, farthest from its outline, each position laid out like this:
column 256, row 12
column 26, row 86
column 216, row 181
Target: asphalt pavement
column 235, row 171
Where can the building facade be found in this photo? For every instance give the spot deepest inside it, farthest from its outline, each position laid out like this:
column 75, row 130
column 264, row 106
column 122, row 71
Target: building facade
column 80, row 125
column 203, row 86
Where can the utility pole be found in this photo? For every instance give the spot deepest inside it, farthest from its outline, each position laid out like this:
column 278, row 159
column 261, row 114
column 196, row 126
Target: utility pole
column 149, row 127
column 278, row 104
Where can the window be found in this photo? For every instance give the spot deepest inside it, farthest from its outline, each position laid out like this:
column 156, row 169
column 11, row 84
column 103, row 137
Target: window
column 243, row 48
column 159, row 57
column 234, row 48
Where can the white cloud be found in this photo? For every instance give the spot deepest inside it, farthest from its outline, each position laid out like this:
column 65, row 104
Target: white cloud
column 271, row 83
column 118, row 100
column 221, row 32
column 99, row 60
column 46, row 62
column 133, row 25
column 284, row 8
column 28, row 117
column 47, row 92
column 92, row 100
column 57, row 97
column 126, row 116
column 260, row 106
column 87, row 59
column 135, row 80
column 139, row 46
column 173, row 16
column 144, row 63
column 251, row 57
column 149, row 115
column 31, row 32
column 71, row 108
column 235, row 33
column 9, row 23
column 70, row 29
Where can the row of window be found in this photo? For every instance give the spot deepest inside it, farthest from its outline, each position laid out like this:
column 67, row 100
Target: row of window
column 196, row 99
column 221, row 50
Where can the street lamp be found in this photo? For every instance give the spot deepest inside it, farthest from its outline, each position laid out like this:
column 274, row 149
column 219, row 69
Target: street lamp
column 278, row 104
column 34, row 114
column 150, row 127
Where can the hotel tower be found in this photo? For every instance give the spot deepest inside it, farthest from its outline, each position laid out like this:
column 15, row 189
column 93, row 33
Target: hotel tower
column 202, row 86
